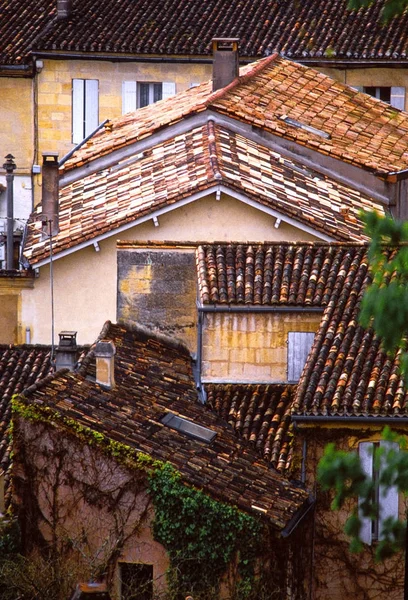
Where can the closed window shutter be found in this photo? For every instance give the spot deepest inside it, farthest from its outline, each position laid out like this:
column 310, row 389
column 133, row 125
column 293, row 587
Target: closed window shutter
column 78, row 115
column 169, row 89
column 299, row 344
column 129, row 97
column 365, row 450
column 91, row 105
column 388, row 497
column 398, row 97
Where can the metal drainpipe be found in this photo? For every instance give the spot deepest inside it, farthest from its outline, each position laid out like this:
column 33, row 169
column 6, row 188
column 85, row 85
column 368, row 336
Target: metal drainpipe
column 200, row 352
column 303, row 466
column 10, row 166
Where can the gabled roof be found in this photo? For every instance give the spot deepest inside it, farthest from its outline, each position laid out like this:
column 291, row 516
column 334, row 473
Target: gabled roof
column 153, row 378
column 320, row 30
column 302, row 274
column 20, row 367
column 185, row 167
column 260, row 415
column 271, row 96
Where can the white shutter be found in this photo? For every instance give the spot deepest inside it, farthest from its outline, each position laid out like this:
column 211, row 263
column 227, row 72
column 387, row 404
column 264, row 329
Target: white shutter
column 129, row 97
column 365, row 450
column 388, row 498
column 299, row 344
column 398, row 97
column 77, row 110
column 91, row 105
column 358, row 88
column 169, row 89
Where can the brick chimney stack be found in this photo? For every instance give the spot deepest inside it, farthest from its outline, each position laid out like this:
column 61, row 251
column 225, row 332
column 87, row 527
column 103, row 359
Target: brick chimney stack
column 64, row 9
column 50, row 191
column 105, row 363
column 225, row 61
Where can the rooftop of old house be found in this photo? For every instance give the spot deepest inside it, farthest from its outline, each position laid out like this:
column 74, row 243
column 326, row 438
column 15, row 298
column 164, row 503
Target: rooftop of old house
column 153, row 379
column 315, row 30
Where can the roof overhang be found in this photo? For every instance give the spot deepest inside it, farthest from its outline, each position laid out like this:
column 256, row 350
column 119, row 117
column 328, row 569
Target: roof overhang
column 216, row 190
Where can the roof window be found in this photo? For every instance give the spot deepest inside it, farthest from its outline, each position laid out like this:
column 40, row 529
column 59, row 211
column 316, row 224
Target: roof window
column 299, row 125
column 188, row 428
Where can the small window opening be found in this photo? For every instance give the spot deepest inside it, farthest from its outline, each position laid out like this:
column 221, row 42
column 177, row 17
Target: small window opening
column 136, row 581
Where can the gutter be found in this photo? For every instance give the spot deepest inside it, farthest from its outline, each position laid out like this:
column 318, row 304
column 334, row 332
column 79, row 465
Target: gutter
column 16, row 70
column 222, row 308
column 298, row 516
column 299, row 419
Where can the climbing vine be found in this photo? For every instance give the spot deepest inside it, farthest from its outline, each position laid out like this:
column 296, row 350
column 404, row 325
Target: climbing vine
column 202, row 536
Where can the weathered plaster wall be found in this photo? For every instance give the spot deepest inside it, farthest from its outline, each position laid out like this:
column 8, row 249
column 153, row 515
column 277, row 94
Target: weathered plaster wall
column 85, row 283
column 158, row 288
column 250, row 347
column 336, row 573
column 11, row 331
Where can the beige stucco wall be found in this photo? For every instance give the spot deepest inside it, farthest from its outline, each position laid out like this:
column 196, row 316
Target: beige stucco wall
column 16, row 131
column 85, row 282
column 250, row 346
column 371, row 77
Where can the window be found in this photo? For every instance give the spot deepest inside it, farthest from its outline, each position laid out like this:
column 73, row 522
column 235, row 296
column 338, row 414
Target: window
column 387, row 502
column 136, row 581
column 84, row 108
column 299, row 344
column 138, row 94
column 393, row 95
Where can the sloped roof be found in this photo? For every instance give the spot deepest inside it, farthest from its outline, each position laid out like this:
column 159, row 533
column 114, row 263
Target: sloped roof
column 346, row 125
column 312, row 29
column 303, row 274
column 193, row 162
column 20, row 367
column 153, row 378
column 260, row 415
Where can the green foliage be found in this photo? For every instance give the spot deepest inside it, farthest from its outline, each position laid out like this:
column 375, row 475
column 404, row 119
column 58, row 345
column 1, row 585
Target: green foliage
column 391, row 8
column 342, row 472
column 202, row 536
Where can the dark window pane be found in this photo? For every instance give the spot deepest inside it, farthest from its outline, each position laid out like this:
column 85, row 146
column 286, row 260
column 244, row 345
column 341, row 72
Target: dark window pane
column 157, row 92
column 143, row 94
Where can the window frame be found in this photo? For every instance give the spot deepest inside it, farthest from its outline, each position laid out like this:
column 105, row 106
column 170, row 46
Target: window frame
column 85, row 108
column 131, row 90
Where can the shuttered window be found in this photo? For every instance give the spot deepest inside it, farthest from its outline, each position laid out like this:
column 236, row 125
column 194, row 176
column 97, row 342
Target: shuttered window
column 387, row 499
column 138, row 94
column 85, row 108
column 299, row 344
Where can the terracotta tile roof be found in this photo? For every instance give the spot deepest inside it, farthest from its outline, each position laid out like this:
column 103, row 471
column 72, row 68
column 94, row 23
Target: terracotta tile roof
column 20, row 367
column 205, row 157
column 346, row 373
column 313, row 29
column 260, row 415
column 354, row 127
column 153, row 378
column 275, row 274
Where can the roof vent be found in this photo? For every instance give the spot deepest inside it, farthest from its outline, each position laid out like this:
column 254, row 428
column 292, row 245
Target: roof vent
column 189, row 428
column 66, row 353
column 64, row 9
column 105, row 363
column 225, row 61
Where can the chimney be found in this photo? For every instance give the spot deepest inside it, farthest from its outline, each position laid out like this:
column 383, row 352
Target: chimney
column 10, row 167
column 50, row 192
column 225, row 61
column 64, row 9
column 66, row 353
column 105, row 363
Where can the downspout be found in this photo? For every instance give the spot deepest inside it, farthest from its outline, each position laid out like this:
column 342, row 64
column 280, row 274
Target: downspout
column 10, row 166
column 303, row 466
column 200, row 356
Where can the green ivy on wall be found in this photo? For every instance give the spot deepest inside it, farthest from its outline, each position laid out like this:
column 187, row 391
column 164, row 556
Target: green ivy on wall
column 202, row 536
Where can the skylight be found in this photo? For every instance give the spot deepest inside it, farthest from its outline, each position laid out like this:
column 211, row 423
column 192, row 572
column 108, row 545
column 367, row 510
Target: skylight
column 188, row 427
column 309, row 128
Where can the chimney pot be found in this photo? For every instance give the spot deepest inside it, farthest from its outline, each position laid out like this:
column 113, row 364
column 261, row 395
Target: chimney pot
column 105, row 363
column 50, row 192
column 66, row 353
column 225, row 61
column 64, row 9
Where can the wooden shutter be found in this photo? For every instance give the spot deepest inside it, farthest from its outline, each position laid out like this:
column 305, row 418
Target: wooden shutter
column 129, row 97
column 398, row 97
column 388, row 498
column 169, row 89
column 78, row 117
column 365, row 450
column 91, row 105
column 299, row 344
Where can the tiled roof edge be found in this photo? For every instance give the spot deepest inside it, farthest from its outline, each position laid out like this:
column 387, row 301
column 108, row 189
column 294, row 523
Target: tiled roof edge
column 259, row 66
column 88, row 358
column 38, row 385
column 146, row 333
